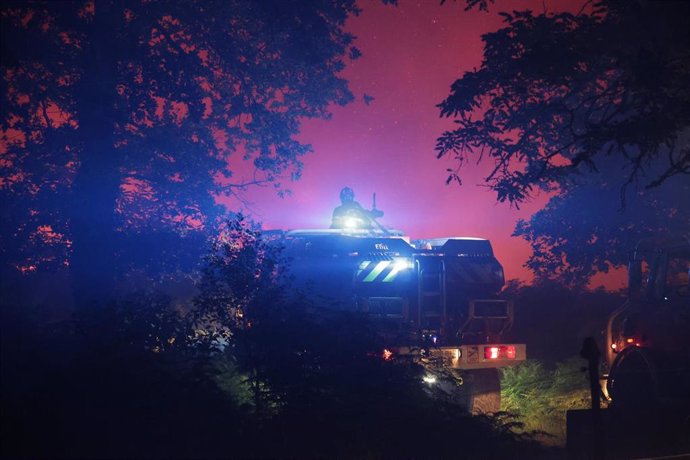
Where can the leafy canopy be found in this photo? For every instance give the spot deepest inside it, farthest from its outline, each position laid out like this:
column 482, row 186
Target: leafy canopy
column 592, row 107
column 556, row 92
column 122, row 122
column 584, row 231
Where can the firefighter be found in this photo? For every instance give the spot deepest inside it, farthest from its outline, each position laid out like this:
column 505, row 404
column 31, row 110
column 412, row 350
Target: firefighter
column 350, row 214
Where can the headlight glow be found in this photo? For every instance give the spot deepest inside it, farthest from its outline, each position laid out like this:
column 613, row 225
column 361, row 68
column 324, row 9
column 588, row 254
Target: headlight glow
column 403, row 264
column 429, row 379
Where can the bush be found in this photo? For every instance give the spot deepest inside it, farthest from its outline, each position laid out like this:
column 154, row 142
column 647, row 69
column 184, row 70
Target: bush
column 540, row 397
column 249, row 370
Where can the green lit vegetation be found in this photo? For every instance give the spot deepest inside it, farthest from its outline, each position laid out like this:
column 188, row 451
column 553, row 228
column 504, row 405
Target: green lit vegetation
column 540, row 397
column 553, row 320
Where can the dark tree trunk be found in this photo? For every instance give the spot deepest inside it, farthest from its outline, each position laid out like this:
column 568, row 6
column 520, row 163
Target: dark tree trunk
column 96, row 186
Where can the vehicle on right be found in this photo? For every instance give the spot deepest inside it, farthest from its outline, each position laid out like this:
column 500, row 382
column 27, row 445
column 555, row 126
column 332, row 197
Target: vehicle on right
column 648, row 338
column 647, row 363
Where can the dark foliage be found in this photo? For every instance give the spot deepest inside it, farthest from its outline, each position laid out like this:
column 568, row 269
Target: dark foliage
column 139, row 379
column 584, row 230
column 99, row 386
column 123, row 121
column 482, row 5
column 593, row 106
column 557, row 91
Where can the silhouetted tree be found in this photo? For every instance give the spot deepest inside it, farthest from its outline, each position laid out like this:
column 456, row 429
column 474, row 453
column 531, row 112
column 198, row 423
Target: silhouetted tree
column 557, row 91
column 122, row 122
column 584, row 230
column 594, row 106
column 242, row 275
column 289, row 346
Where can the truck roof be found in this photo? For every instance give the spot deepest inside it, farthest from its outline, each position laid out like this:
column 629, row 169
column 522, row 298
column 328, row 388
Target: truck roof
column 364, row 241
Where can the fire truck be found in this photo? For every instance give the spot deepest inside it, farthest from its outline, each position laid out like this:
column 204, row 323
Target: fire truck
column 434, row 300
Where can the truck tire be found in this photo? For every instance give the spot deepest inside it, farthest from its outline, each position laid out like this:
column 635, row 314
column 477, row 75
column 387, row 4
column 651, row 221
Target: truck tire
column 632, row 383
column 482, row 391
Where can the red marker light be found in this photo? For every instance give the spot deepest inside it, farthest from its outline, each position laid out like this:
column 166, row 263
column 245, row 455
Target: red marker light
column 510, row 352
column 500, row 352
column 387, row 355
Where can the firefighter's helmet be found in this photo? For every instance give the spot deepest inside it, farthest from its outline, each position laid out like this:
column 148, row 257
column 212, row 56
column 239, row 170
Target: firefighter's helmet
column 347, row 195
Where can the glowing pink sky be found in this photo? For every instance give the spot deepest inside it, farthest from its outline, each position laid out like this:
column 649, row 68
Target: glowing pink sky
column 412, row 53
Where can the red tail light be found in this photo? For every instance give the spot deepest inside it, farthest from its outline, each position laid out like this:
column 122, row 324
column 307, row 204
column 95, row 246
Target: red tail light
column 499, row 352
column 491, row 352
column 510, row 352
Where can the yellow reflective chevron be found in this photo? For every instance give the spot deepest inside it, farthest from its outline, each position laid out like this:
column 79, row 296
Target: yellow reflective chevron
column 383, row 271
column 381, row 266
column 391, row 276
